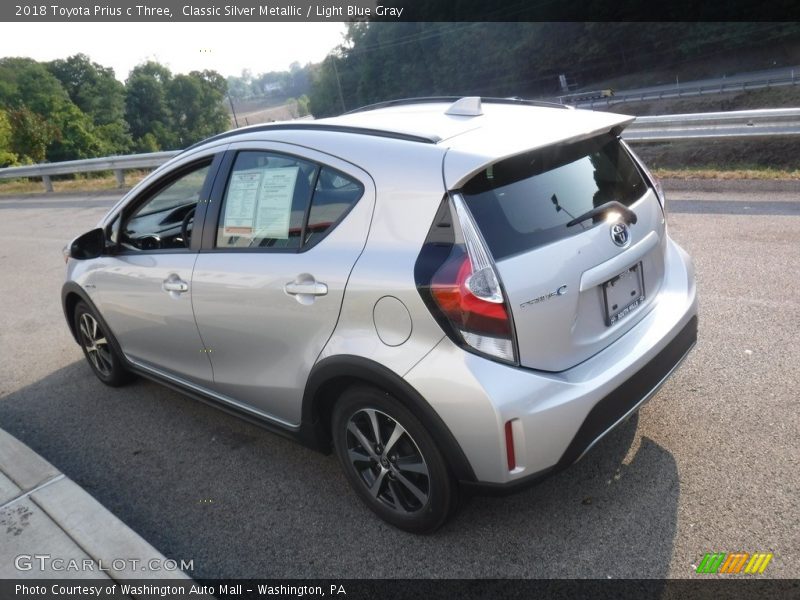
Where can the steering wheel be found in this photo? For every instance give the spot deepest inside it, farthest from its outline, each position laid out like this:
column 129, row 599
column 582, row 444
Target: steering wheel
column 185, row 232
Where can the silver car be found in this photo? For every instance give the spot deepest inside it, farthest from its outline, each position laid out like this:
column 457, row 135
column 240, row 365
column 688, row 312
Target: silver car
column 453, row 295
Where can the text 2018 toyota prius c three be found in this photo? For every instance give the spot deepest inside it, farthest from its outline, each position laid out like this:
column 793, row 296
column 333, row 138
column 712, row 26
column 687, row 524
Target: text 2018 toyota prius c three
column 450, row 294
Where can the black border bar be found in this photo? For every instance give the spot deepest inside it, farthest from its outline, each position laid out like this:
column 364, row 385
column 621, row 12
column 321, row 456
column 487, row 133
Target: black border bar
column 393, row 10
column 738, row 587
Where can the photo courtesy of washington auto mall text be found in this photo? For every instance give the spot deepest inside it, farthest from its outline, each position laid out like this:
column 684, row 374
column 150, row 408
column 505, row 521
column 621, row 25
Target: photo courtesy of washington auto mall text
column 162, row 589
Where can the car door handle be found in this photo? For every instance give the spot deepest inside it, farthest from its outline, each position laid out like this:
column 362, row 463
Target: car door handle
column 175, row 285
column 308, row 288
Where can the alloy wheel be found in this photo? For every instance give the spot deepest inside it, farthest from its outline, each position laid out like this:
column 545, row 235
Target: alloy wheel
column 388, row 461
column 95, row 343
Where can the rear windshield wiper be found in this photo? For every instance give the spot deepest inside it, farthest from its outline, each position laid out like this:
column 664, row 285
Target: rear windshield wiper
column 626, row 213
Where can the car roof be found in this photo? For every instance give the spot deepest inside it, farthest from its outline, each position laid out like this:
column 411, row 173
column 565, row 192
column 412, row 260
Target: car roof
column 474, row 132
column 439, row 119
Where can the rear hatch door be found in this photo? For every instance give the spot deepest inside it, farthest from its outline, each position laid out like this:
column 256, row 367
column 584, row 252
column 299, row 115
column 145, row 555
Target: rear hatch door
column 573, row 289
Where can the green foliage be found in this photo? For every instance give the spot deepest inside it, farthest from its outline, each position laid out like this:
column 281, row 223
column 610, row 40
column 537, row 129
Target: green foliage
column 389, row 60
column 241, row 87
column 174, row 111
column 95, row 90
column 302, row 106
column 30, row 134
column 39, row 106
column 147, row 143
column 74, row 108
column 325, row 100
column 146, row 108
column 196, row 106
column 7, row 156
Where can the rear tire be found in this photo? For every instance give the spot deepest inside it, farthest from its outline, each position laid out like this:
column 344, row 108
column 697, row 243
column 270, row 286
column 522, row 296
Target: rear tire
column 391, row 461
column 96, row 344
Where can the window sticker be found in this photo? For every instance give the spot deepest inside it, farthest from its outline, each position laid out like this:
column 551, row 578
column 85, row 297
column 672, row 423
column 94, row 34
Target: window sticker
column 240, row 205
column 275, row 203
column 259, row 203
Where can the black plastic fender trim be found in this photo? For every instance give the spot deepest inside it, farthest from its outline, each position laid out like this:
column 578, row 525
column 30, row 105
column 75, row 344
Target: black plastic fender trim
column 332, row 374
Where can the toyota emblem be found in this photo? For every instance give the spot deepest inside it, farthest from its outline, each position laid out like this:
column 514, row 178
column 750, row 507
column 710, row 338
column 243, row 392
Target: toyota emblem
column 620, row 234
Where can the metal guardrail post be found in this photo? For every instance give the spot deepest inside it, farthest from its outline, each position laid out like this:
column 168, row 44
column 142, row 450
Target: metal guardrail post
column 48, row 184
column 120, row 175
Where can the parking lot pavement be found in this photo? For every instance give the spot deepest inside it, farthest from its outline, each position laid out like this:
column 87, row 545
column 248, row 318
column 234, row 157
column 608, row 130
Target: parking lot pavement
column 709, row 465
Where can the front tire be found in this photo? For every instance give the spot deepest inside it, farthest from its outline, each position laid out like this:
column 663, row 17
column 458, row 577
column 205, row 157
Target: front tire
column 97, row 347
column 391, row 461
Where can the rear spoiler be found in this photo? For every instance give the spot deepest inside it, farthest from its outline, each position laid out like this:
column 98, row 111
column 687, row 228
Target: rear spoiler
column 472, row 151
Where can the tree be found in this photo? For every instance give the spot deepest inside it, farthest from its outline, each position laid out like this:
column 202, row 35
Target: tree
column 196, row 105
column 174, row 111
column 146, row 108
column 302, row 106
column 38, row 104
column 31, row 134
column 324, row 100
column 389, row 60
column 241, row 87
column 95, row 90
column 7, row 156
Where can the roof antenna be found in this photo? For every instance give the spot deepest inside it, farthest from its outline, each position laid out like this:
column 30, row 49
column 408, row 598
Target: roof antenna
column 469, row 106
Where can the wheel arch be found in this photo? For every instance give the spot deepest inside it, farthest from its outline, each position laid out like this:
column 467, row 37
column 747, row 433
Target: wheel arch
column 332, row 375
column 71, row 295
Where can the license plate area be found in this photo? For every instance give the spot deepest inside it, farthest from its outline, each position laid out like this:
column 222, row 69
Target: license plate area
column 623, row 294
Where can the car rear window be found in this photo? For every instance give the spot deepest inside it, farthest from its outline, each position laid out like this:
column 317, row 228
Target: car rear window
column 526, row 201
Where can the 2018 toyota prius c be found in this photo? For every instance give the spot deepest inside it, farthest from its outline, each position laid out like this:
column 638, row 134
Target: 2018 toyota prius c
column 448, row 293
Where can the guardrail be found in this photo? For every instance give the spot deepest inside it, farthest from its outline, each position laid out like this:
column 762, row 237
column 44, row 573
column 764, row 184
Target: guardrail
column 743, row 124
column 688, row 90
column 118, row 164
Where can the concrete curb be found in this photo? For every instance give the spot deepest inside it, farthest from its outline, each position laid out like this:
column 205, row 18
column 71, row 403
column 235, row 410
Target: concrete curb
column 43, row 512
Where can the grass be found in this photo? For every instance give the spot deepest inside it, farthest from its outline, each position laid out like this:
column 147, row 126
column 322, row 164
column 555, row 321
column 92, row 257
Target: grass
column 723, row 173
column 78, row 184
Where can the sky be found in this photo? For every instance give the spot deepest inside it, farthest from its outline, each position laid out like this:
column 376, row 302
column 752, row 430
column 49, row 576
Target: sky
column 227, row 48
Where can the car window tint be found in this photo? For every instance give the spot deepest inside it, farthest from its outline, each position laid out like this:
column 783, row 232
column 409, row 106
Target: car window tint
column 158, row 223
column 334, row 194
column 526, row 201
column 265, row 201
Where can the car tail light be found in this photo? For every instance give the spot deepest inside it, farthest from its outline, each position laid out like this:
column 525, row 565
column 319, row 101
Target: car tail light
column 457, row 279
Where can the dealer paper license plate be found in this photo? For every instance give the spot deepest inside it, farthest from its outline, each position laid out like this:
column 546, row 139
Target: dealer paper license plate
column 623, row 294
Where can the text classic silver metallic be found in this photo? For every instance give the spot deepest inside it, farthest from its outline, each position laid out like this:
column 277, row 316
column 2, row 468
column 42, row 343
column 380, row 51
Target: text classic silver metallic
column 450, row 294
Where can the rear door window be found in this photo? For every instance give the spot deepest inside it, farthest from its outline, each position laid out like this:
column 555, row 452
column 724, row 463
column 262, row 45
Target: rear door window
column 526, row 201
column 334, row 196
column 280, row 202
column 265, row 201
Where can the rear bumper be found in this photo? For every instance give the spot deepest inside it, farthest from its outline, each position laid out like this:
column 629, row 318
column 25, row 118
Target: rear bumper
column 609, row 412
column 557, row 417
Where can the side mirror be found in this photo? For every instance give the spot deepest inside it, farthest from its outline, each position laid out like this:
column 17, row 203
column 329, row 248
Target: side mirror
column 89, row 245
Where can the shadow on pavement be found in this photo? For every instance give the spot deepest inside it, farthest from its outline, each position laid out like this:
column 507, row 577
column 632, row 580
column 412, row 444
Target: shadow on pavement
column 238, row 501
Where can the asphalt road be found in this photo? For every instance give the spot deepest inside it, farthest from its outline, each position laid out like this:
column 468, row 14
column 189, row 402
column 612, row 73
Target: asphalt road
column 712, row 463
